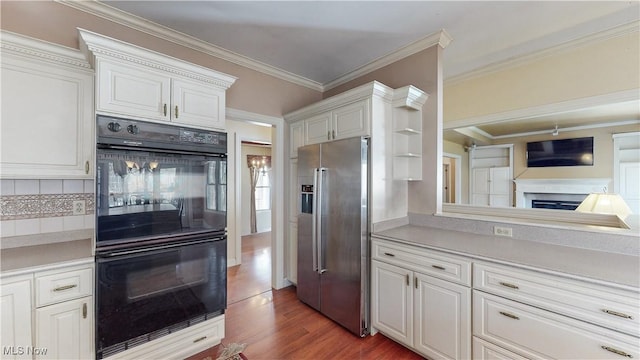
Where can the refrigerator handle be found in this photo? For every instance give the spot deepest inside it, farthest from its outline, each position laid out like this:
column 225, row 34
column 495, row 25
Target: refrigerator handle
column 319, row 214
column 314, row 220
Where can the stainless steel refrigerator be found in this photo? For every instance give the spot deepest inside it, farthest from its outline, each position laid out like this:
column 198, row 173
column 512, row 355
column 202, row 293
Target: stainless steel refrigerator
column 333, row 246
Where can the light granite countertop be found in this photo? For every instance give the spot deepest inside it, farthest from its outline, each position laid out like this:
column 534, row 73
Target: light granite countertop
column 597, row 266
column 25, row 257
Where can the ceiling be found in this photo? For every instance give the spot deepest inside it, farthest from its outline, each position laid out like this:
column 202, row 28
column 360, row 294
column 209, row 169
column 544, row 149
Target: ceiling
column 325, row 40
column 322, row 42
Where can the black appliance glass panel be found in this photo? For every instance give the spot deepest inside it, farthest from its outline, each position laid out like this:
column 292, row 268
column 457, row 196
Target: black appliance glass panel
column 143, row 194
column 167, row 288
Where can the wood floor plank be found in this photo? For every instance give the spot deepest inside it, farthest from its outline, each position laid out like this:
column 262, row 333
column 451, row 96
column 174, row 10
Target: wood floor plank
column 276, row 325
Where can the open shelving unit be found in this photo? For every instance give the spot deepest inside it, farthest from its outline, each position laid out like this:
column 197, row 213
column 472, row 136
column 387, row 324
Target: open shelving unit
column 407, row 133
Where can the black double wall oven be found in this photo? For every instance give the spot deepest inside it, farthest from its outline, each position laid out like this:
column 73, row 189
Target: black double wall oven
column 161, row 240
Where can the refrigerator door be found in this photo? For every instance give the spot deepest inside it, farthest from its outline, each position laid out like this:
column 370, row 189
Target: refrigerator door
column 343, row 233
column 308, row 286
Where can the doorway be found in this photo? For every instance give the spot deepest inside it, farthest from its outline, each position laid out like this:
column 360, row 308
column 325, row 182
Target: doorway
column 239, row 126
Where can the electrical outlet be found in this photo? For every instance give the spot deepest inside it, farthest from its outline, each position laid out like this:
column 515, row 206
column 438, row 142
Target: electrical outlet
column 502, row 231
column 79, row 207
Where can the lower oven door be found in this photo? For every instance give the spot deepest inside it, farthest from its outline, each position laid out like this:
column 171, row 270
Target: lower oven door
column 143, row 294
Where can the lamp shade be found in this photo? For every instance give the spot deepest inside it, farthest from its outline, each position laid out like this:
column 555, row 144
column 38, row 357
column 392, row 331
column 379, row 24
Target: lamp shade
column 602, row 203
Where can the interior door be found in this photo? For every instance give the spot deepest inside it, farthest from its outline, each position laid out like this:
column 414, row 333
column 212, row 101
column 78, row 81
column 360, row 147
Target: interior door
column 344, row 232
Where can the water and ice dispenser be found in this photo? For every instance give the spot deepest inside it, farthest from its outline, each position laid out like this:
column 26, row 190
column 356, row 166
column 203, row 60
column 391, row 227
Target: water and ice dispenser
column 306, row 196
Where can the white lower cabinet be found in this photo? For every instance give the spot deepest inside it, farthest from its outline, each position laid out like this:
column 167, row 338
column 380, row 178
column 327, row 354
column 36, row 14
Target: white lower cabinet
column 541, row 334
column 52, row 319
column 16, row 307
column 65, row 330
column 425, row 313
column 538, row 315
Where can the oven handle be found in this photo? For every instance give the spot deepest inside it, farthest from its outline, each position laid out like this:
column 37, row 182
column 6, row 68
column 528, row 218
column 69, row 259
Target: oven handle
column 168, row 151
column 163, row 247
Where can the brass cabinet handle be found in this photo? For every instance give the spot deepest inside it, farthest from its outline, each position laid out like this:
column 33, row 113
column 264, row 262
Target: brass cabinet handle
column 619, row 314
column 438, row 267
column 415, row 282
column 509, row 285
column 389, row 254
column 176, row 111
column 164, row 109
column 509, row 315
column 407, row 277
column 84, row 310
column 86, row 167
column 616, row 351
column 328, row 135
column 334, row 134
column 199, row 339
column 65, row 287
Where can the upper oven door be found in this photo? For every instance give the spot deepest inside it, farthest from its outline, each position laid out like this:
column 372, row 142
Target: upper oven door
column 146, row 194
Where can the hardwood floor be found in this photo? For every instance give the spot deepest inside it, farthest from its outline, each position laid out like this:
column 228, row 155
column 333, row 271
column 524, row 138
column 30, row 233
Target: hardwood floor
column 253, row 275
column 276, row 325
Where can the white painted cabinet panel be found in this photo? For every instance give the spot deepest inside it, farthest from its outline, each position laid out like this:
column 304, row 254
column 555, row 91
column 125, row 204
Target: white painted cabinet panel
column 15, row 304
column 65, row 330
column 350, row 120
column 491, row 186
column 392, row 296
column 629, row 188
column 539, row 334
column 125, row 89
column 443, row 318
column 428, row 314
column 138, row 83
column 317, row 129
column 197, row 104
column 297, row 138
column 47, row 112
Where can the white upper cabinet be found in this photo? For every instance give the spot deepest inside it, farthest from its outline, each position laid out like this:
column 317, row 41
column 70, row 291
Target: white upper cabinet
column 142, row 84
column 47, row 110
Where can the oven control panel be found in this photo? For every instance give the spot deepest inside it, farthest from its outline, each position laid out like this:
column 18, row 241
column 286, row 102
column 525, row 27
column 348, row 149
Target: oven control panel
column 126, row 132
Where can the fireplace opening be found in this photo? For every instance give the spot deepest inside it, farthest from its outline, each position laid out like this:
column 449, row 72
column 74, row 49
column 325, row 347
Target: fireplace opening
column 555, row 204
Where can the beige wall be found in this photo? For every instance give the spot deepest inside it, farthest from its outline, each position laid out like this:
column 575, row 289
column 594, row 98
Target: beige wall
column 595, row 69
column 602, row 158
column 57, row 23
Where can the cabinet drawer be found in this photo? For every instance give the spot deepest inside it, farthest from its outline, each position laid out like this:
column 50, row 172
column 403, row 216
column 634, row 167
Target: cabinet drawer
column 443, row 266
column 483, row 350
column 539, row 334
column 61, row 286
column 598, row 304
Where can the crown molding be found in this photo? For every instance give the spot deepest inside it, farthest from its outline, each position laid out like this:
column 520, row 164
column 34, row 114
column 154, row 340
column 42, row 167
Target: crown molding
column 105, row 47
column 107, row 12
column 25, row 46
column 242, row 115
column 547, row 109
column 441, row 38
column 373, row 88
column 608, row 34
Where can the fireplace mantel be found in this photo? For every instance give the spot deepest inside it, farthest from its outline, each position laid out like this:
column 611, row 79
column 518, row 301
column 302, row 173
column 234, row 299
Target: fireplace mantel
column 526, row 189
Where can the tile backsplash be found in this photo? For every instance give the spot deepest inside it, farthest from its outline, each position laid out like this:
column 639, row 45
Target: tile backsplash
column 30, row 207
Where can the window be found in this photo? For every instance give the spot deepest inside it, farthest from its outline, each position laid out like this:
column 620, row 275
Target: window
column 263, row 191
column 217, row 185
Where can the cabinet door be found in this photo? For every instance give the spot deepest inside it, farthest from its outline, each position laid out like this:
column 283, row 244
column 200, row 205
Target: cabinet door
column 47, row 120
column 392, row 301
column 16, row 320
column 197, row 104
column 131, row 90
column 350, row 120
column 65, row 330
column 442, row 318
column 480, row 189
column 500, row 186
column 317, row 129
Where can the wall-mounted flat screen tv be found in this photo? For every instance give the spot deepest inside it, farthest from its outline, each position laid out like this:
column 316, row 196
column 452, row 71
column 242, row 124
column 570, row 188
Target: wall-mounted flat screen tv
column 565, row 152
